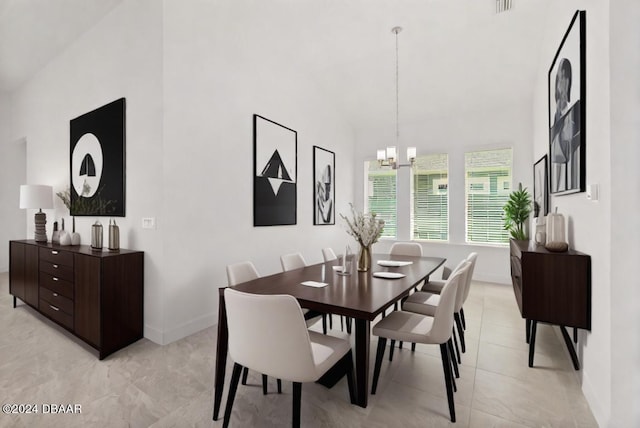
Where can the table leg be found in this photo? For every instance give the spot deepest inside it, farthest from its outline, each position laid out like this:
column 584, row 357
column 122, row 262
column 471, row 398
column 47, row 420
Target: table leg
column 363, row 335
column 221, row 354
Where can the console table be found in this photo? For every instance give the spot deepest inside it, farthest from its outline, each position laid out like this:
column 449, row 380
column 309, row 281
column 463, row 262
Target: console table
column 553, row 288
column 96, row 295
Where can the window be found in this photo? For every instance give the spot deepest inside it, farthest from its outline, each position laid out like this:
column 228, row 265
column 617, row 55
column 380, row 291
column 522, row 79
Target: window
column 380, row 195
column 487, row 184
column 430, row 198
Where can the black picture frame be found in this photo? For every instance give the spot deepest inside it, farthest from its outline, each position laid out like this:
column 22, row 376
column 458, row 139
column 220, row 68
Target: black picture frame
column 567, row 111
column 540, row 188
column 275, row 172
column 324, row 192
column 97, row 161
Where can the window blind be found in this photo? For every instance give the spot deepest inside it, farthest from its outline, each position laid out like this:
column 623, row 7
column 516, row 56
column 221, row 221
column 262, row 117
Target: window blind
column 430, row 198
column 380, row 196
column 487, row 188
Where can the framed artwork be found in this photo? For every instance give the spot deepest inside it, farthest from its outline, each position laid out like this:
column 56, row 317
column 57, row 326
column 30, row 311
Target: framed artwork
column 97, row 164
column 540, row 188
column 275, row 166
column 324, row 196
column 567, row 89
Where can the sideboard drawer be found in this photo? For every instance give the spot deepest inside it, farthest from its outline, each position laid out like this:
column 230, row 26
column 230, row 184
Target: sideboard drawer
column 57, row 270
column 56, row 314
column 56, row 256
column 56, row 285
column 57, row 300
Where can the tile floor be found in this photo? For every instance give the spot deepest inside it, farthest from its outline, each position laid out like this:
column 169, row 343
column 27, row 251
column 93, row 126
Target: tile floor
column 146, row 385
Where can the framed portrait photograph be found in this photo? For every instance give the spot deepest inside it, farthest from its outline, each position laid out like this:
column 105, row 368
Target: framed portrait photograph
column 540, row 188
column 97, row 166
column 567, row 89
column 275, row 152
column 324, row 196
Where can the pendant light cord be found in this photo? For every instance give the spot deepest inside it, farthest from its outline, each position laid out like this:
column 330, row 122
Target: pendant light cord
column 397, row 30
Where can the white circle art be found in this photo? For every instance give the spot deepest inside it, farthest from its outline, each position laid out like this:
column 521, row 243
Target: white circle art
column 86, row 163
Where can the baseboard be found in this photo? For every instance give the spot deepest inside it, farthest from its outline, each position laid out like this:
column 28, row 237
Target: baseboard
column 153, row 334
column 594, row 403
column 189, row 328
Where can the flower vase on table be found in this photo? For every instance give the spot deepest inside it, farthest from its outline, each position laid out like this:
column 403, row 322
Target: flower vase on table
column 366, row 229
column 364, row 259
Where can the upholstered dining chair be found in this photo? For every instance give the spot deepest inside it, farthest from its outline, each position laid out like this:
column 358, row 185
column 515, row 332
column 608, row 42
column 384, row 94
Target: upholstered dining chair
column 329, row 255
column 296, row 261
column 236, row 274
column 418, row 328
column 283, row 348
column 435, row 286
column 406, row 249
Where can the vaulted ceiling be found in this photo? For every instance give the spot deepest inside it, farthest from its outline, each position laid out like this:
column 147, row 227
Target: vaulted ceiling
column 453, row 54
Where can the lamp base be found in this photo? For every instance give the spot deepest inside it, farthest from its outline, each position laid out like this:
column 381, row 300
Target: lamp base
column 41, row 230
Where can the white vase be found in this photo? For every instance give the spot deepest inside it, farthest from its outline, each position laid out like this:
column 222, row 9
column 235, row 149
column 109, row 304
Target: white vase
column 75, row 238
column 65, row 238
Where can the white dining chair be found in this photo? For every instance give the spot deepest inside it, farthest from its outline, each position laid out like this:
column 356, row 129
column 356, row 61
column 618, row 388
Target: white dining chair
column 406, row 249
column 236, row 274
column 418, row 328
column 296, row 261
column 283, row 348
column 328, row 255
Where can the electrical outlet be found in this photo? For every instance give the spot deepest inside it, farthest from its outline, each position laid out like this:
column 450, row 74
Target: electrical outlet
column 148, row 223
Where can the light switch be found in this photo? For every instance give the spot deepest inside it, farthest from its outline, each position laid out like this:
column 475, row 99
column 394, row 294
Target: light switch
column 592, row 192
column 148, row 223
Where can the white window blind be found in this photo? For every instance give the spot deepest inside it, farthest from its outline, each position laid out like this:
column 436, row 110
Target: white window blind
column 430, row 198
column 380, row 195
column 487, row 184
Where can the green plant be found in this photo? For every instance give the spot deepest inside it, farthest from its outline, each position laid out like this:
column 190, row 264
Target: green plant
column 516, row 212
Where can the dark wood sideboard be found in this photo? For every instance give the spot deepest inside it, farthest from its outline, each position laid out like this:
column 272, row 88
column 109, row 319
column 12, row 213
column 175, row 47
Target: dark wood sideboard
column 96, row 295
column 553, row 288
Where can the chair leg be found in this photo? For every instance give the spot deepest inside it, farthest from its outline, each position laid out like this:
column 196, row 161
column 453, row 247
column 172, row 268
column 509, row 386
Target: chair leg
column 297, row 398
column 264, row 384
column 330, row 322
column 235, row 377
column 456, row 316
column 455, row 342
column 454, row 363
column 413, row 347
column 245, row 373
column 400, row 344
column 324, row 323
column 348, row 322
column 447, row 380
column 341, row 323
column 279, row 382
column 464, row 323
column 382, row 343
column 393, row 345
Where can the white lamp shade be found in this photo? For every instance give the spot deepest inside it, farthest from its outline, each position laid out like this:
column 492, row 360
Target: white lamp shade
column 36, row 196
column 391, row 152
column 411, row 153
column 382, row 155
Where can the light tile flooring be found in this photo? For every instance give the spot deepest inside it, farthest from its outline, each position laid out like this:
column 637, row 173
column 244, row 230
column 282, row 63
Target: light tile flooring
column 172, row 386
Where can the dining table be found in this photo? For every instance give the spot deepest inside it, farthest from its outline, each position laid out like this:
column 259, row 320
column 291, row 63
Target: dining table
column 348, row 292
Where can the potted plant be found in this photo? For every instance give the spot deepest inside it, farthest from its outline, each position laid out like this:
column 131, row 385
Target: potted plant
column 516, row 212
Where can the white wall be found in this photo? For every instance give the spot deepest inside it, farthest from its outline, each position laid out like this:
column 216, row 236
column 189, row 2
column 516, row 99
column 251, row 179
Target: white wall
column 219, row 71
column 588, row 222
column 456, row 133
column 119, row 57
column 625, row 202
column 13, row 173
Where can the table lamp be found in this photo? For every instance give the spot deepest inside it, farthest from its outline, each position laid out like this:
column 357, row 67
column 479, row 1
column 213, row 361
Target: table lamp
column 37, row 196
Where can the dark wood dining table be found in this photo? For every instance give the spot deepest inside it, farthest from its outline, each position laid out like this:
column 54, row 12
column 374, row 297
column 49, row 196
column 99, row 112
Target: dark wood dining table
column 360, row 295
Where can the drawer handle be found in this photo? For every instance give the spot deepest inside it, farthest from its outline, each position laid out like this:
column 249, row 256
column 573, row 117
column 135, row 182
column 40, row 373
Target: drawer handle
column 55, row 294
column 54, row 252
column 55, row 266
column 54, row 308
column 55, row 279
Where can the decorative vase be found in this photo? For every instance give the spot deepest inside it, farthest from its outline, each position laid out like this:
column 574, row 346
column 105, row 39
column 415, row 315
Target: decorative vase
column 75, row 237
column 364, row 259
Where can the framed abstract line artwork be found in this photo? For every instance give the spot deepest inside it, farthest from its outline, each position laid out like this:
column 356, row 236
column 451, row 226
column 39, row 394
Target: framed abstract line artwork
column 97, row 164
column 324, row 197
column 567, row 103
column 275, row 170
column 540, row 188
